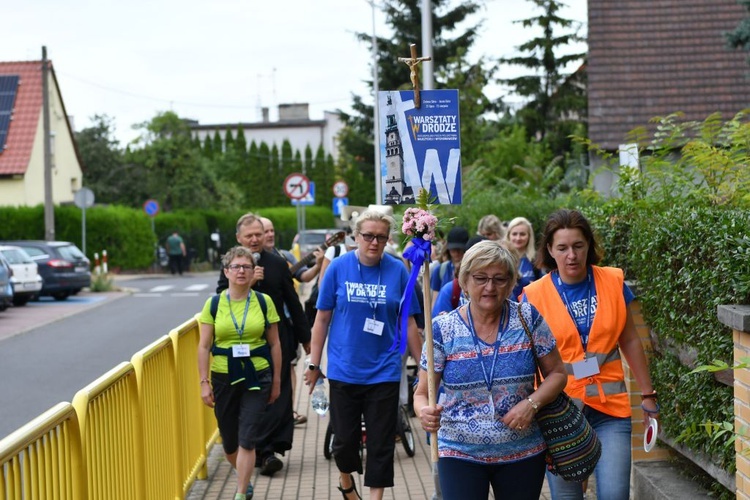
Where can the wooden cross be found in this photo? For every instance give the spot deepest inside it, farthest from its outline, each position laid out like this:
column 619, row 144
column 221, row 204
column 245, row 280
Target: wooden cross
column 413, row 62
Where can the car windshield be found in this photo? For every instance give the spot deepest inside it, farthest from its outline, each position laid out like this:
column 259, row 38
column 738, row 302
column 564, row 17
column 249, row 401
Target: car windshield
column 16, row 256
column 71, row 252
column 36, row 253
column 312, row 238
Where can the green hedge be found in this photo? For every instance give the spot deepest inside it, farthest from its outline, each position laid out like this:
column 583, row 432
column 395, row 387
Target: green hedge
column 687, row 260
column 127, row 233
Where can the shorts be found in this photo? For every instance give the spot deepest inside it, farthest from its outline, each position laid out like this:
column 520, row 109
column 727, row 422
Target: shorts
column 239, row 411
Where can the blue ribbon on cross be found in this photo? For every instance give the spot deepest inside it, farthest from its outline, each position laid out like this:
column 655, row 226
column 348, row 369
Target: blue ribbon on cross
column 416, row 254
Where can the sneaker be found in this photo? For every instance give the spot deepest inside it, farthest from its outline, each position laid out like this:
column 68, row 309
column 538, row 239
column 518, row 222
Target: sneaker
column 240, row 496
column 271, row 465
column 249, row 491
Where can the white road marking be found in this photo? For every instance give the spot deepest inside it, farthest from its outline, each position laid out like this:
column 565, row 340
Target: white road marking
column 161, row 288
column 196, row 288
column 184, row 294
column 147, row 295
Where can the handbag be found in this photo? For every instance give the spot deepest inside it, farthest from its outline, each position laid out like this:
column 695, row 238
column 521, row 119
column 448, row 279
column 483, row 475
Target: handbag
column 573, row 449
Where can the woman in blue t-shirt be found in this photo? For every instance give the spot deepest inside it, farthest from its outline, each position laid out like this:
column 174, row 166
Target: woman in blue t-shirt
column 358, row 309
column 487, row 433
column 520, row 236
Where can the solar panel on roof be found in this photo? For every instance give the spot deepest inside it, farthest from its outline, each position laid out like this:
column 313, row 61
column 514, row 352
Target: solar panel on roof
column 8, row 88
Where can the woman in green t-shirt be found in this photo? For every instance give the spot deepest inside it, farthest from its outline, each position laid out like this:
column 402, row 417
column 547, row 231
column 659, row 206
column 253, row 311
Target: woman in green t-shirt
column 240, row 329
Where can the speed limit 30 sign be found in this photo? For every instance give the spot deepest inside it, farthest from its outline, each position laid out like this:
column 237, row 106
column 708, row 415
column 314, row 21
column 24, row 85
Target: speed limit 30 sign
column 340, row 189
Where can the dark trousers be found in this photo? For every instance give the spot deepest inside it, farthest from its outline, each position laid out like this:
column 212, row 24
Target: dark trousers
column 276, row 430
column 464, row 480
column 175, row 263
column 379, row 405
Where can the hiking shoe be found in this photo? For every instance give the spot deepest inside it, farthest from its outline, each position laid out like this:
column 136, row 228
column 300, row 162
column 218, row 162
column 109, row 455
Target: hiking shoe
column 271, row 465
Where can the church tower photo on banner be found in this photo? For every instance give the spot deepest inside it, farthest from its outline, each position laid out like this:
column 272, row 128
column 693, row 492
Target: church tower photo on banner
column 420, row 147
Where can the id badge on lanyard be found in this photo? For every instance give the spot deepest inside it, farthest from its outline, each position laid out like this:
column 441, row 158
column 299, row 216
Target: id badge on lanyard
column 586, row 368
column 241, row 350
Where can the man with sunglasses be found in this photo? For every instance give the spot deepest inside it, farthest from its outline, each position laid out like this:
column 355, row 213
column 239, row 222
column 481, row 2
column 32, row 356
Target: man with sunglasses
column 272, row 277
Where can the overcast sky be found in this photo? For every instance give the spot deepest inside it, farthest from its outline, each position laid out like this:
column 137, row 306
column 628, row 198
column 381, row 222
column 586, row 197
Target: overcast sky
column 218, row 61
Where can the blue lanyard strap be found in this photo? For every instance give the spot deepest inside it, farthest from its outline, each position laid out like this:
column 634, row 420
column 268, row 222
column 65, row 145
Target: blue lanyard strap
column 240, row 329
column 374, row 303
column 557, row 281
column 489, row 381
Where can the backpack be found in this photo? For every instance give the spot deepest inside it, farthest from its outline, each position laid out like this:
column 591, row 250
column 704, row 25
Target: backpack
column 261, row 300
column 455, row 293
column 443, row 270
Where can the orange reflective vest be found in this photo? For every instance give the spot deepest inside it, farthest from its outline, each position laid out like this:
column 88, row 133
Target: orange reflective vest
column 606, row 391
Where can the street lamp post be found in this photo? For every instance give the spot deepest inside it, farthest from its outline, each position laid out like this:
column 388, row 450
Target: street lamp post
column 428, row 82
column 375, row 123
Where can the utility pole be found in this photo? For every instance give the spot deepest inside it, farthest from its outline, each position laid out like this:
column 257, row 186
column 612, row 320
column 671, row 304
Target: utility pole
column 49, row 208
column 375, row 123
column 428, row 80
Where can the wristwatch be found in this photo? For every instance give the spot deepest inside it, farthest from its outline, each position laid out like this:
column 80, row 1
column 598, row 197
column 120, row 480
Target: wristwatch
column 312, row 367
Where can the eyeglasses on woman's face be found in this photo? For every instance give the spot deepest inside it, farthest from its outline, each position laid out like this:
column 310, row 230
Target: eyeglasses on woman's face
column 236, row 267
column 368, row 237
column 482, row 279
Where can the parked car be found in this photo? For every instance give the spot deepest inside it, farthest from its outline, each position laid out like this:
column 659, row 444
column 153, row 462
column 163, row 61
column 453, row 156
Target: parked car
column 63, row 267
column 6, row 288
column 308, row 240
column 26, row 281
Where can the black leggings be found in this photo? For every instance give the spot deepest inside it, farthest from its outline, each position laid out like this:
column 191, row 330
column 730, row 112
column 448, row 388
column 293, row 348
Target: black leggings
column 464, row 480
column 379, row 405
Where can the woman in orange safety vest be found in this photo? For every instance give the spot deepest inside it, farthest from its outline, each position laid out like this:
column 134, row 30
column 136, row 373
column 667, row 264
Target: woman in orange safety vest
column 587, row 309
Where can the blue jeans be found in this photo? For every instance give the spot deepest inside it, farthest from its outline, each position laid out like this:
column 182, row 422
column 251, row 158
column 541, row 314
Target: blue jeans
column 612, row 473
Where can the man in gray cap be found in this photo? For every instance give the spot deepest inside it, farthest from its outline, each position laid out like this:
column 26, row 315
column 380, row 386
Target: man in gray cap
column 456, row 246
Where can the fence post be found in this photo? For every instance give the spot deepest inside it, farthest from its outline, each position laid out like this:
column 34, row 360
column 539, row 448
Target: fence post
column 738, row 319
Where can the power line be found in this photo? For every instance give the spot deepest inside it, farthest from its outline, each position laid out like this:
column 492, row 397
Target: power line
column 172, row 101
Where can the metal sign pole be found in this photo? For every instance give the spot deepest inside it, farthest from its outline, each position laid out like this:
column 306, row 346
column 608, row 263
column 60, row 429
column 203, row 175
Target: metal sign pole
column 83, row 229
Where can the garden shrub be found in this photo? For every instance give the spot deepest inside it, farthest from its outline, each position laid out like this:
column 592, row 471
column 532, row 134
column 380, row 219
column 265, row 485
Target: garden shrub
column 127, row 235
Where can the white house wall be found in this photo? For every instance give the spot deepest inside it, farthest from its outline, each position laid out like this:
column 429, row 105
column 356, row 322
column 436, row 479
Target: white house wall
column 300, row 135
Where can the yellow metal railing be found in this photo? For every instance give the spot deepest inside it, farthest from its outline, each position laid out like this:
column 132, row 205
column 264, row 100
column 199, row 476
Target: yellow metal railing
column 112, row 434
column 43, row 459
column 157, row 387
column 138, row 431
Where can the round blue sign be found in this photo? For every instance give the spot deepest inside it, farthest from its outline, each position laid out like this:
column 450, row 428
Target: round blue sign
column 151, row 207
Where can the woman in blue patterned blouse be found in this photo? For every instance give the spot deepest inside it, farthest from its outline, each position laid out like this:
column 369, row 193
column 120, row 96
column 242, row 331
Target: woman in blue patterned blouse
column 487, row 433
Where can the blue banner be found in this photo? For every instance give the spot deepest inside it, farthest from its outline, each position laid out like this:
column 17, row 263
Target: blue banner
column 419, row 148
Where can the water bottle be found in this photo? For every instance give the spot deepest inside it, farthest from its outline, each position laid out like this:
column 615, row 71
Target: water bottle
column 320, row 398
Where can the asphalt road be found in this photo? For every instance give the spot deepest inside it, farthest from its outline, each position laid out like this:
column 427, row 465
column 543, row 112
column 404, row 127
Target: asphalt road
column 49, row 350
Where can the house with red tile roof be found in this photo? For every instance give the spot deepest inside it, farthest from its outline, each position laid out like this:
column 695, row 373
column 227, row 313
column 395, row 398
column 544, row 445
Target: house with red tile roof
column 22, row 138
column 654, row 58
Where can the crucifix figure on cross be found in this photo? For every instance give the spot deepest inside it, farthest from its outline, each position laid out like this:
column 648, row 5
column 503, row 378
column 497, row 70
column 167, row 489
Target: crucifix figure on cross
column 413, row 63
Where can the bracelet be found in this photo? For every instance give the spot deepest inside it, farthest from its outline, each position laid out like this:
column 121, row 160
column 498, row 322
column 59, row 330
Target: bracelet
column 652, row 412
column 205, row 381
column 533, row 404
column 652, row 395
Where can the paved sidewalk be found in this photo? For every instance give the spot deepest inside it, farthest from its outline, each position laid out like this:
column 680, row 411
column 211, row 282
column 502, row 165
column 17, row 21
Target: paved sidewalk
column 307, row 475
